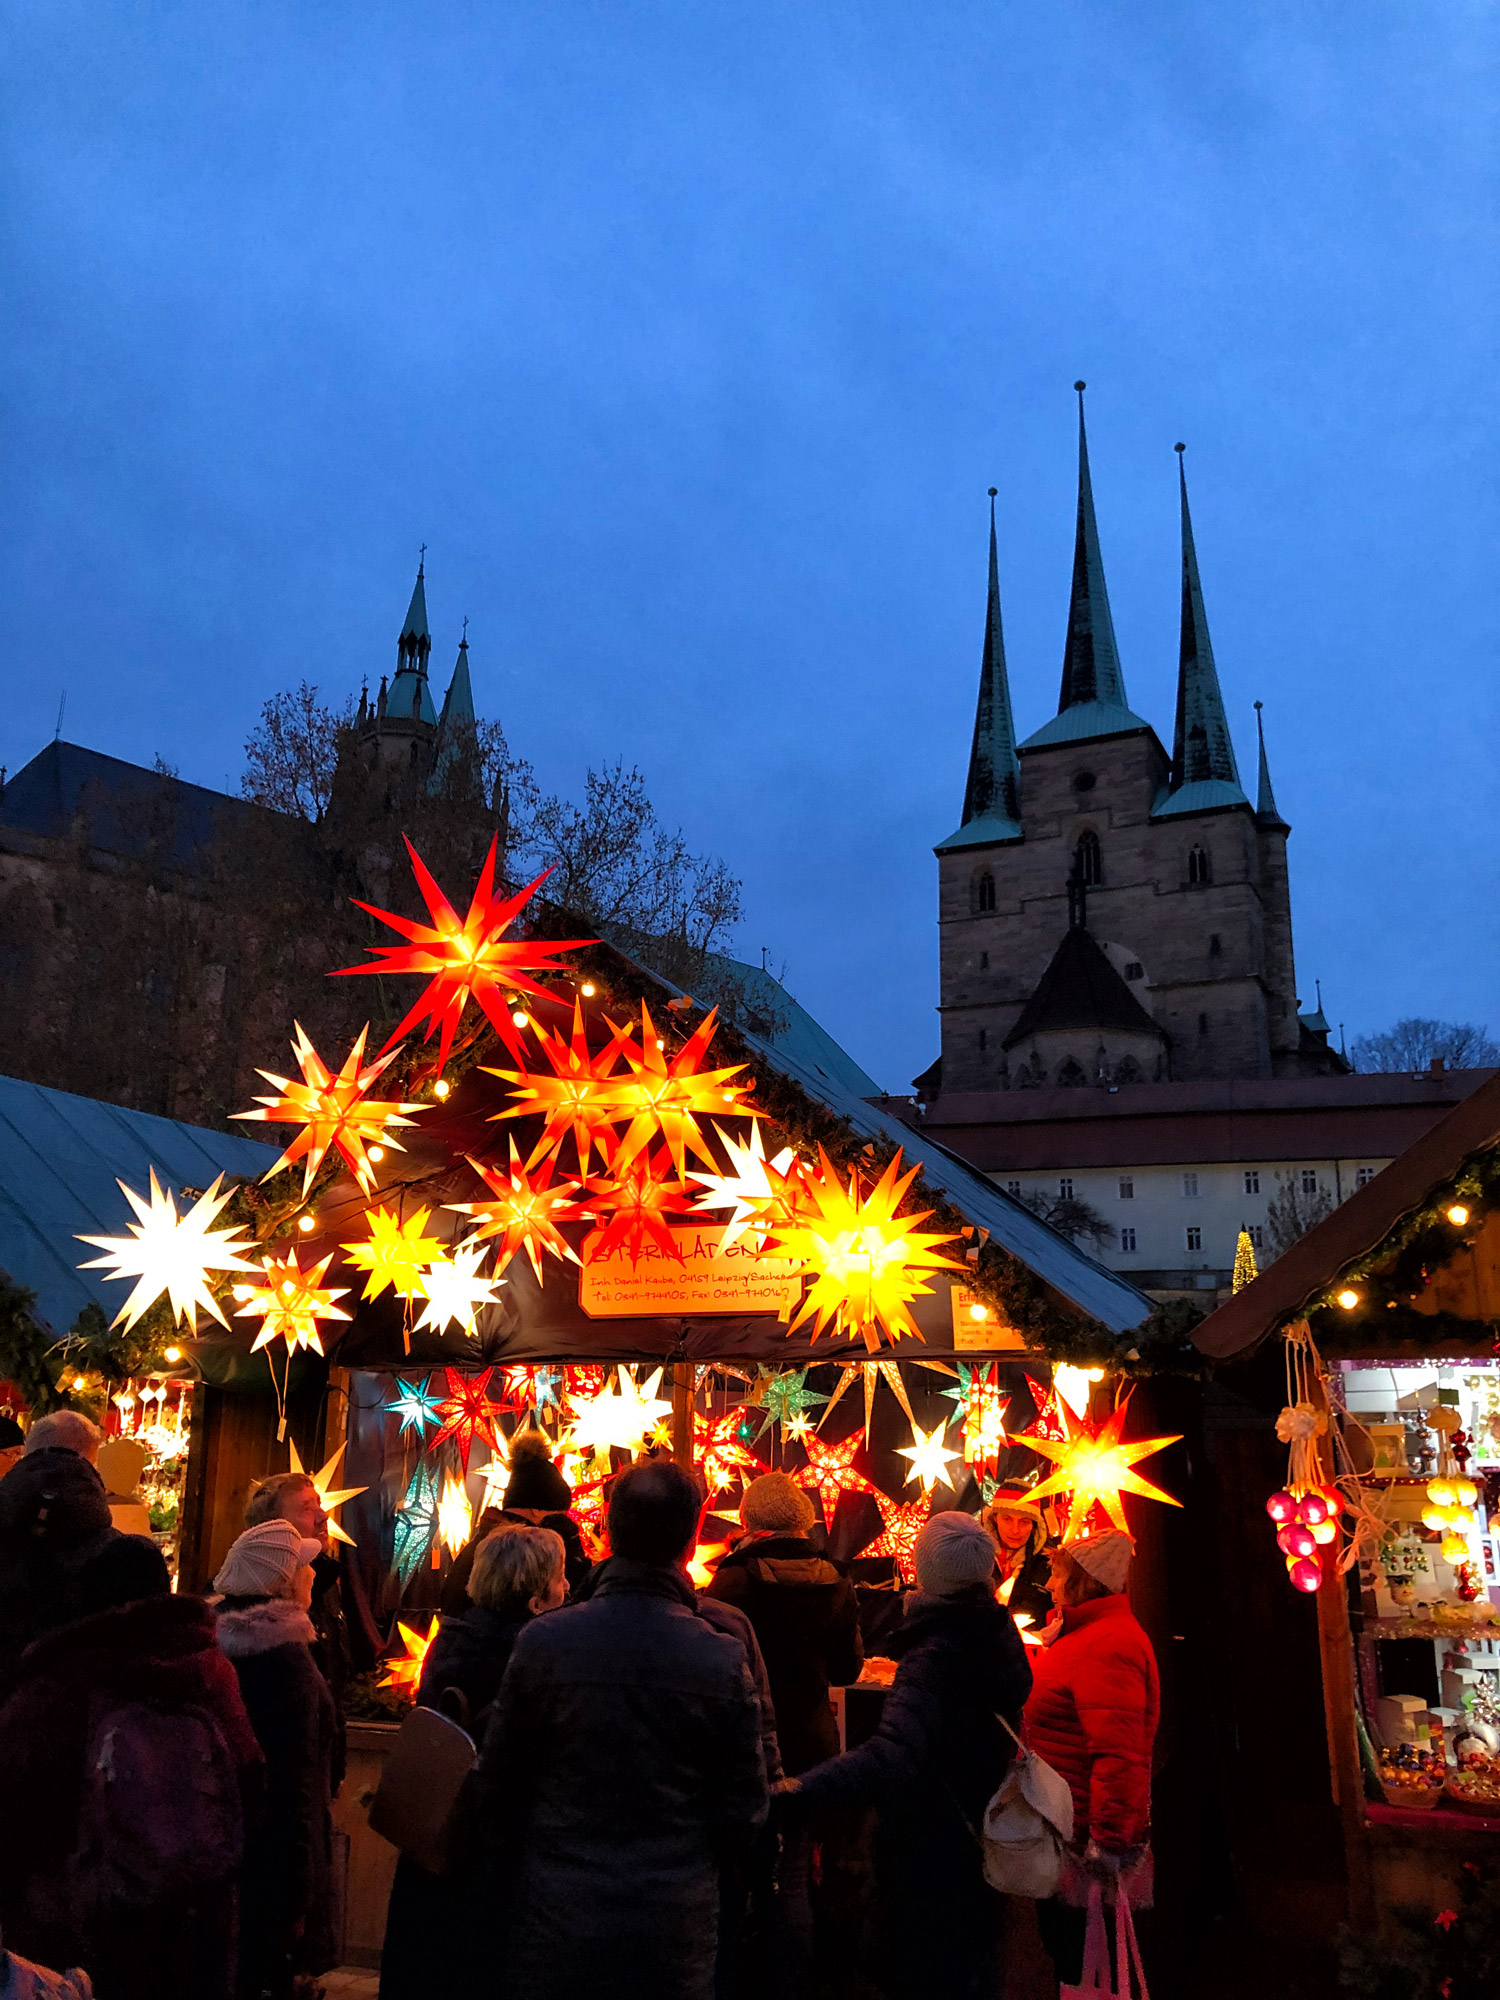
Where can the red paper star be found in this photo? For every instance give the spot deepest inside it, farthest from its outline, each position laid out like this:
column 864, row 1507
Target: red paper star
column 465, row 958
column 467, row 1414
column 718, row 1447
column 634, row 1213
column 668, row 1094
column 830, row 1471
column 525, row 1212
column 1048, row 1423
column 903, row 1523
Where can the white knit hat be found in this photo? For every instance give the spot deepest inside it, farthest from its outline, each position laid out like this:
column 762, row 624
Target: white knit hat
column 1105, row 1557
column 264, row 1560
column 953, row 1551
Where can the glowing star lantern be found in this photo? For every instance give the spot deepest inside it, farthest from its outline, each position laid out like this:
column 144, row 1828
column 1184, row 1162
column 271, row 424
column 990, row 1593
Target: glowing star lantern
column 333, row 1110
column 748, row 1189
column 785, row 1398
column 866, row 1264
column 720, row 1450
column 416, row 1523
column 668, row 1094
column 983, row 1409
column 1048, row 1421
column 397, row 1253
column 466, row 958
column 455, row 1517
column 416, row 1406
column 901, row 1522
column 929, row 1455
column 495, row 1473
column 634, row 1215
column 704, row 1561
column 467, row 1413
column 455, row 1291
column 404, row 1672
column 873, row 1373
column 1094, row 1465
column 574, row 1100
column 623, row 1419
column 330, row 1496
column 523, row 1214
column 290, row 1303
column 165, row 1252
column 830, row 1471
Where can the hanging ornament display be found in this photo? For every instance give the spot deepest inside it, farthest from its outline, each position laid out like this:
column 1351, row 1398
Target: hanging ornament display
column 165, row 1252
column 720, row 1450
column 455, row 1292
column 574, row 1101
column 455, row 1517
column 397, row 1254
column 403, row 1671
column 753, row 1188
column 333, row 1110
column 416, row 1406
column 416, row 1523
column 929, row 1455
column 290, row 1302
column 667, row 1094
column 830, row 1471
column 1095, row 1466
column 467, row 1413
column 1451, row 1494
column 530, row 1385
column 331, row 1497
column 465, row 959
column 523, row 1213
column 634, row 1214
column 866, row 1264
column 1306, row 1509
column 621, row 1419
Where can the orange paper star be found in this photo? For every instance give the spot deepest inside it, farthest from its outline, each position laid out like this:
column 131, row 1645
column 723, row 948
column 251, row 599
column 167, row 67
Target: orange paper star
column 1094, row 1465
column 291, row 1302
column 635, row 1212
column 719, row 1448
column 333, row 1109
column 524, row 1213
column 404, row 1671
column 574, row 1099
column 668, row 1094
column 466, row 958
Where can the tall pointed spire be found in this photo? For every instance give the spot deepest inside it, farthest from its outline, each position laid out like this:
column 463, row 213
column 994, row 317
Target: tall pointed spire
column 1091, row 660
column 992, row 795
column 1265, row 799
column 1201, row 748
column 415, row 642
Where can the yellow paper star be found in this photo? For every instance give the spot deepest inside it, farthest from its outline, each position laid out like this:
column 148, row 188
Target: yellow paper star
column 332, row 1497
column 623, row 1419
column 929, row 1455
column 397, row 1255
column 333, row 1109
column 169, row 1253
column 290, row 1303
column 455, row 1517
column 405, row 1671
column 749, row 1189
column 1095, row 1465
column 668, row 1094
column 455, row 1292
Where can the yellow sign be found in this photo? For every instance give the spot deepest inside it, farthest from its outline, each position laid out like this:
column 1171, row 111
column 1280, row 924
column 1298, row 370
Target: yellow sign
column 709, row 1279
column 978, row 1328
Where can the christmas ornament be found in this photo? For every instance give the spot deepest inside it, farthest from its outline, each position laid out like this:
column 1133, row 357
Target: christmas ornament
column 719, row 1447
column 784, row 1398
column 830, row 1471
column 634, row 1214
column 575, row 1100
column 404, row 1671
column 416, row 1523
column 455, row 1292
column 704, row 1563
column 1094, row 1466
column 1074, row 1384
column 929, row 1455
column 495, row 1473
column 866, row 1264
column 622, row 1419
column 464, row 960
column 749, row 1189
column 455, row 1517
column 415, row 1405
column 668, row 1094
column 169, row 1253
column 524, row 1212
column 333, row 1111
column 290, row 1303
column 902, row 1522
column 1451, row 1494
column 330, row 1497
column 1048, row 1421
column 467, row 1413
column 983, row 1410
column 397, row 1254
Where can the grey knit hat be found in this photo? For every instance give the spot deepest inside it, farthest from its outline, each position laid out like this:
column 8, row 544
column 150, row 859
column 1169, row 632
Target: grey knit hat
column 264, row 1560
column 775, row 1503
column 953, row 1552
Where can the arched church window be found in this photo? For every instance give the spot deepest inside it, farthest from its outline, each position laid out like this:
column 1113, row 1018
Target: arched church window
column 1070, row 1074
column 1089, row 859
column 1200, row 869
column 1129, row 1071
column 984, row 892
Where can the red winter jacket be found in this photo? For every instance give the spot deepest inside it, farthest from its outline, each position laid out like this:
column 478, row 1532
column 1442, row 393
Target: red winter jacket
column 1092, row 1716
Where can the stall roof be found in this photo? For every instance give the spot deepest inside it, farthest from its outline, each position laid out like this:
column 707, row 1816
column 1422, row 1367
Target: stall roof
column 1284, row 1291
column 60, row 1160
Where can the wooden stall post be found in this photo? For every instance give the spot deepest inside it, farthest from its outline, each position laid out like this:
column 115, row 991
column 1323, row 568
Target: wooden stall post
column 682, row 1414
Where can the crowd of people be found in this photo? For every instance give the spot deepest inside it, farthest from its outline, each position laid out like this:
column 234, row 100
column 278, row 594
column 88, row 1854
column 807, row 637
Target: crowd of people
column 658, row 1804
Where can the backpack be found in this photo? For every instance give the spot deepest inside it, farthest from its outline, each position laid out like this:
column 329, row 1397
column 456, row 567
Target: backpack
column 160, row 1818
column 1026, row 1825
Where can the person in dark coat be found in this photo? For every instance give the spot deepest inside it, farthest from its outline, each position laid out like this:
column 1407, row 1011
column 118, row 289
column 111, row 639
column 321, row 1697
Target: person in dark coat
column 135, row 1643
column 430, row 1938
column 54, row 1519
column 536, row 1496
column 933, row 1764
column 1013, row 1521
column 265, row 1586
column 621, row 1768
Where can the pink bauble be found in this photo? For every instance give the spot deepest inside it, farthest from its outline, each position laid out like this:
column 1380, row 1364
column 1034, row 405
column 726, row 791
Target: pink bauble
column 1306, row 1575
column 1312, row 1508
column 1281, row 1506
column 1294, row 1540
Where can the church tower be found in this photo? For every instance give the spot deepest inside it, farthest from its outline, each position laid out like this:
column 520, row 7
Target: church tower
column 401, row 732
column 1110, row 915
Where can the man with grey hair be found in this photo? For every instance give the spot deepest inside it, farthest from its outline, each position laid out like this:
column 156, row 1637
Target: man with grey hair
column 65, row 1430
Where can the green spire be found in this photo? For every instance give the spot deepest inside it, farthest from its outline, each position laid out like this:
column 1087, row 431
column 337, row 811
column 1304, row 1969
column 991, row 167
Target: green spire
column 415, row 642
column 1265, row 798
column 1091, row 660
column 1201, row 748
column 994, row 788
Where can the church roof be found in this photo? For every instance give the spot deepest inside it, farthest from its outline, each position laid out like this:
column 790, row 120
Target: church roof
column 1081, row 989
column 1204, row 773
column 992, row 796
column 125, row 808
column 457, row 716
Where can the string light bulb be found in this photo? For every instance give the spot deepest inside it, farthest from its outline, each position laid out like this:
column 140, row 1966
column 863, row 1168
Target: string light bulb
column 1458, row 1215
column 1348, row 1298
column 79, row 1382
column 441, row 1087
column 376, row 1153
column 521, row 1018
column 172, row 1355
column 979, row 1312
column 588, row 989
column 305, row 1223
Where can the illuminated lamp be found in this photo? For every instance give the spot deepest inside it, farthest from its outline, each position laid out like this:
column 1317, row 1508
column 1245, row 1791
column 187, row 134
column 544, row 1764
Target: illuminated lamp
column 1454, row 1548
column 1435, row 1518
column 307, row 1223
column 1440, row 1492
column 332, row 1109
column 1348, row 1298
column 1295, row 1540
column 1458, row 1215
column 1465, row 1492
column 171, row 1355
column 979, row 1312
column 441, row 1087
column 1313, row 1508
column 587, row 989
column 1306, row 1575
column 1324, row 1533
column 165, row 1252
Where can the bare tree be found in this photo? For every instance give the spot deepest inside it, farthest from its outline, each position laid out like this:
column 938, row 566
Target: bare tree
column 1069, row 1216
column 293, row 751
column 1292, row 1211
column 1413, row 1044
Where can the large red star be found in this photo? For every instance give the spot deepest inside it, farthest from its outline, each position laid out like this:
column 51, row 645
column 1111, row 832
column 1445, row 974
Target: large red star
column 830, row 1471
column 467, row 1413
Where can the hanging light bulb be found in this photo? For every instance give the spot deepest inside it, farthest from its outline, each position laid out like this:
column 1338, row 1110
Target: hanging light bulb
column 1458, row 1215
column 1348, row 1298
column 441, row 1087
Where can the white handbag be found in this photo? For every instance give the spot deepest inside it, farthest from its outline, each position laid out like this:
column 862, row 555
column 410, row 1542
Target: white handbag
column 1026, row 1825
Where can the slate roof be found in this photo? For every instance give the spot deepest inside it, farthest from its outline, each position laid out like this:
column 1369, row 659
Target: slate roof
column 60, row 1159
column 126, row 808
column 1081, row 989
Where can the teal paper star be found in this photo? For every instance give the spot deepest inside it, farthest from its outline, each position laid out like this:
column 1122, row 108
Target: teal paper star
column 415, row 1407
column 785, row 1396
column 416, row 1523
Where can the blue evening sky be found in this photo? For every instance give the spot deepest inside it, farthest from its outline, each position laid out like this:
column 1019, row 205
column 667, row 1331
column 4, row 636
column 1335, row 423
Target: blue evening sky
column 689, row 337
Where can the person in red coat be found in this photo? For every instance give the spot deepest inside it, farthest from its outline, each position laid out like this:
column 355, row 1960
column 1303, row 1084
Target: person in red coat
column 1092, row 1715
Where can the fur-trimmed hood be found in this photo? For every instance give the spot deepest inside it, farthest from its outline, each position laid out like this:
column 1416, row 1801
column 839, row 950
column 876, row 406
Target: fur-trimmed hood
column 260, row 1628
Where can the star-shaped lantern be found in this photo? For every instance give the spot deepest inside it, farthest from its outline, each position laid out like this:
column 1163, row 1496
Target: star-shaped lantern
column 574, row 1099
column 397, row 1253
column 290, row 1302
column 983, row 1409
column 416, row 1406
column 1048, row 1421
column 753, row 1189
column 524, row 1212
column 704, row 1562
column 785, row 1397
column 466, row 958
column 331, row 1496
column 467, row 1413
column 902, row 1522
column 404, row 1671
column 622, row 1419
column 866, row 1263
column 719, row 1447
column 495, row 1472
column 668, row 1094
column 929, row 1455
column 873, row 1372
column 332, row 1109
column 416, row 1523
column 830, row 1471
column 455, row 1517
column 1094, row 1465
column 455, row 1291
column 634, row 1214
column 169, row 1253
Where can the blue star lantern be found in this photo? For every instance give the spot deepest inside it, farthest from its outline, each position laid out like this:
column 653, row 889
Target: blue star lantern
column 416, row 1524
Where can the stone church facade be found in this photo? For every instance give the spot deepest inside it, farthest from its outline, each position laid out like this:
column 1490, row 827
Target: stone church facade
column 1112, row 915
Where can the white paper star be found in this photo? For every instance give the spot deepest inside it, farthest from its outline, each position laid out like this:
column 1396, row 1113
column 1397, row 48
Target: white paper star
column 454, row 1291
column 171, row 1253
